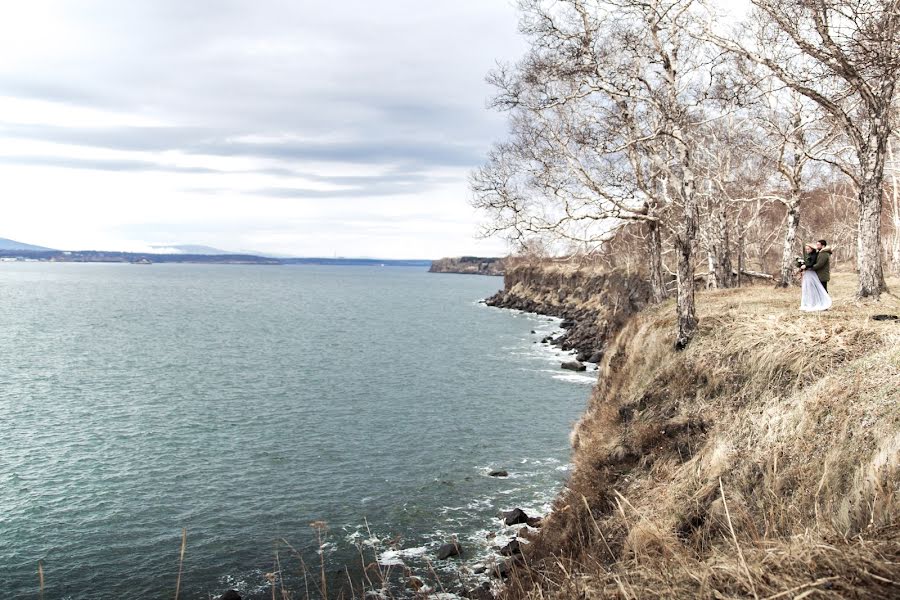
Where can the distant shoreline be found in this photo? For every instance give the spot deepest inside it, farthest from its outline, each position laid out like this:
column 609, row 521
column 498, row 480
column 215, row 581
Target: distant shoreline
column 144, row 258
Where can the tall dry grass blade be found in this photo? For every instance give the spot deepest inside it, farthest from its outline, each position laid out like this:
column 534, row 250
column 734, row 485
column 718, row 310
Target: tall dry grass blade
column 815, row 583
column 736, row 544
column 181, row 561
column 41, row 578
column 597, row 527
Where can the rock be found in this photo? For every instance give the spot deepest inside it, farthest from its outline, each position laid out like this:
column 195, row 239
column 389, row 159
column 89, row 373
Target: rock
column 490, row 535
column 582, row 356
column 503, row 569
column 482, row 592
column 514, row 547
column 515, row 516
column 499, row 473
column 533, row 331
column 885, row 317
column 574, row 365
column 230, row 595
column 415, row 583
column 448, row 550
column 480, row 569
column 596, row 356
column 534, row 522
column 567, row 324
column 547, row 339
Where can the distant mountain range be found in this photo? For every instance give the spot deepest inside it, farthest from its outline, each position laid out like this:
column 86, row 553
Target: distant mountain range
column 6, row 244
column 183, row 253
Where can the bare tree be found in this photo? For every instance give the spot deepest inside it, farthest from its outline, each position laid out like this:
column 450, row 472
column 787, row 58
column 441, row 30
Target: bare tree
column 604, row 113
column 793, row 135
column 844, row 56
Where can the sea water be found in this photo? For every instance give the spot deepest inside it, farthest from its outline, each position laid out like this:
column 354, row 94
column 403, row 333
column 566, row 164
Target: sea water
column 241, row 404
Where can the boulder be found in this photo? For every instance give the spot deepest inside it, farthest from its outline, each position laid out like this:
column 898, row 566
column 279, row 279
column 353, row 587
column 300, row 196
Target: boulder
column 574, row 365
column 515, row 516
column 499, row 473
column 534, row 522
column 567, row 323
column 596, row 356
column 449, row 549
column 230, row 595
column 512, row 548
column 482, row 592
column 503, row 569
column 533, row 331
column 415, row 583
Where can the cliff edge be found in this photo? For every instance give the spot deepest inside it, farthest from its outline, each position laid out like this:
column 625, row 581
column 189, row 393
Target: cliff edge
column 761, row 462
column 470, row 265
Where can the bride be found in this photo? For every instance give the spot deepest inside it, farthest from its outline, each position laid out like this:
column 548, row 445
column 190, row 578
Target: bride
column 812, row 295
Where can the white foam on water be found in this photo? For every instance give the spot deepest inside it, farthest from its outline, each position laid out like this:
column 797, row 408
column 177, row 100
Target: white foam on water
column 573, row 377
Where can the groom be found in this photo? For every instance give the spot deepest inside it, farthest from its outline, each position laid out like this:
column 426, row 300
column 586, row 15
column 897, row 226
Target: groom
column 823, row 263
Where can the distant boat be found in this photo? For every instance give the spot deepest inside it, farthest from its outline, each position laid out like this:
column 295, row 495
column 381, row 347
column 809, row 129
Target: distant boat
column 142, row 261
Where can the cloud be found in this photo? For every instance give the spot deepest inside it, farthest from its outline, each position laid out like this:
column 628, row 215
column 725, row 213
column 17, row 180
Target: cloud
column 294, row 101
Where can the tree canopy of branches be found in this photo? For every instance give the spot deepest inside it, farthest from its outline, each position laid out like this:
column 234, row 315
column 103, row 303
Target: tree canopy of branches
column 844, row 56
column 621, row 116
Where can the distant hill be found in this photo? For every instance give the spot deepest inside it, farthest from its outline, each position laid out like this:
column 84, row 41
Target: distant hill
column 355, row 262
column 194, row 249
column 471, row 265
column 6, row 244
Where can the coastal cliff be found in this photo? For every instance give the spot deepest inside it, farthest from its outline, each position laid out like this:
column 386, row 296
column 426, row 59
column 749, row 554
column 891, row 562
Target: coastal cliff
column 592, row 303
column 762, row 461
column 469, row 265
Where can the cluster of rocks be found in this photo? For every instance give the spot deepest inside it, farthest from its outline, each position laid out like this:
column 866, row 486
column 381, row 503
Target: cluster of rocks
column 592, row 305
column 512, row 551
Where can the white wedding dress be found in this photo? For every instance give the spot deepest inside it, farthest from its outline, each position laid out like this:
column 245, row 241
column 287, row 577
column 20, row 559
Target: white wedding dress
column 812, row 295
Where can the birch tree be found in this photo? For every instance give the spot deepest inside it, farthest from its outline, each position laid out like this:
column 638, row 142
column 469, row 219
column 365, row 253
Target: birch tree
column 793, row 136
column 610, row 89
column 844, row 56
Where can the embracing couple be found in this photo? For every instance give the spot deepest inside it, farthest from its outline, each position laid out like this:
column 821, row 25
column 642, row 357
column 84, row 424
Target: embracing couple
column 815, row 269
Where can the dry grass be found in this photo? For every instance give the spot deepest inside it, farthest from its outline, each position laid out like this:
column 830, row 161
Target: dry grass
column 763, row 461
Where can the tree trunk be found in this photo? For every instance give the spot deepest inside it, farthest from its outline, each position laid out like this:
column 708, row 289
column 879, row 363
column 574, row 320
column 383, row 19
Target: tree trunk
column 790, row 236
column 868, row 241
column 684, row 240
column 654, row 256
column 722, row 270
column 895, row 209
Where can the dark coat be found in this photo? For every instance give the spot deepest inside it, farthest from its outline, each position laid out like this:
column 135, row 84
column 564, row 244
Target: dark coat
column 809, row 260
column 822, row 266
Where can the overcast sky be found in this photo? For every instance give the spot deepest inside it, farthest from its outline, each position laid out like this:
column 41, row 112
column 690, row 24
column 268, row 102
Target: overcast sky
column 300, row 127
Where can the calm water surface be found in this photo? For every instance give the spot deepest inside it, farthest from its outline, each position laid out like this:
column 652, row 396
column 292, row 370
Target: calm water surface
column 244, row 403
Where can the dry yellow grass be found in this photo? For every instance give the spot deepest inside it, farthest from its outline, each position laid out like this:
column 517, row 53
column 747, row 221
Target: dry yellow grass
column 763, row 461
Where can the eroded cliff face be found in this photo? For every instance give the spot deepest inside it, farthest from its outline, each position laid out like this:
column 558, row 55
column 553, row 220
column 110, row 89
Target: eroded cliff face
column 469, row 265
column 593, row 304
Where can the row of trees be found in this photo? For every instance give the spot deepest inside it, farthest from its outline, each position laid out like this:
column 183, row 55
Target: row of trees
column 683, row 126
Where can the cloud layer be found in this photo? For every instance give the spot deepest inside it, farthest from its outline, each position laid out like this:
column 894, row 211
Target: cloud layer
column 309, row 124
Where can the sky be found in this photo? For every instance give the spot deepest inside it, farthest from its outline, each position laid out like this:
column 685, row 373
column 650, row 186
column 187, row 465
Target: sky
column 289, row 127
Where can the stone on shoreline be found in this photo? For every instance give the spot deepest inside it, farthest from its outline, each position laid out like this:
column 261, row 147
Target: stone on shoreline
column 499, row 473
column 449, row 549
column 512, row 548
column 482, row 592
column 516, row 516
column 574, row 365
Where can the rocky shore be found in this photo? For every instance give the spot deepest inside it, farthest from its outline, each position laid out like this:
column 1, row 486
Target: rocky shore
column 592, row 304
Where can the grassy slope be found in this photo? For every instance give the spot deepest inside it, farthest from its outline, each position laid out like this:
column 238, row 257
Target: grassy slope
column 761, row 462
